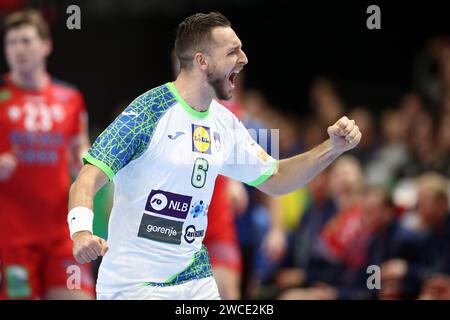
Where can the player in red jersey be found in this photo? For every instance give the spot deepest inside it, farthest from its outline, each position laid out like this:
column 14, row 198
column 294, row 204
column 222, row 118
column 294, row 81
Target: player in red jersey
column 229, row 198
column 43, row 130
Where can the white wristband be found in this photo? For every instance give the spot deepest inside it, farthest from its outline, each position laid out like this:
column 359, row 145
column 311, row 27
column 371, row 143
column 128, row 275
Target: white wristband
column 80, row 219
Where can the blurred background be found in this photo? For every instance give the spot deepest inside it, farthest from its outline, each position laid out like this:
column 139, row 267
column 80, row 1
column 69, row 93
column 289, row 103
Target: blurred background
column 386, row 203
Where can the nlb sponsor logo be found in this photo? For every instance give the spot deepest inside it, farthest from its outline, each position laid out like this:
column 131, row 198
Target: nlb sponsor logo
column 168, row 204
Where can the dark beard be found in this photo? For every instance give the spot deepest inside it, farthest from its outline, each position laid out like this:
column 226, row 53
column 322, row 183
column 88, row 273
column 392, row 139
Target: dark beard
column 218, row 85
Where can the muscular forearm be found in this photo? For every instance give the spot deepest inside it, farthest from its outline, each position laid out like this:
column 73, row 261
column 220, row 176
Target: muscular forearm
column 276, row 213
column 295, row 172
column 86, row 246
column 83, row 190
column 81, row 194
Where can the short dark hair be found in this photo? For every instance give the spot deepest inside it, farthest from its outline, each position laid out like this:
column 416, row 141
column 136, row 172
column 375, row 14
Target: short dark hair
column 27, row 17
column 194, row 33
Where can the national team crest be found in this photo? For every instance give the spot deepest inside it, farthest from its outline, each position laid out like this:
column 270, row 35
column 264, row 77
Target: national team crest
column 217, row 141
column 201, row 139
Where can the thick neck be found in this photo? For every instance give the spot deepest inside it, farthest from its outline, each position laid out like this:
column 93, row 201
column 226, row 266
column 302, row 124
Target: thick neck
column 36, row 80
column 194, row 90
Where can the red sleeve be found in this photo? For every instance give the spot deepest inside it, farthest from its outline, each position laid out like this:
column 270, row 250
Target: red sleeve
column 81, row 117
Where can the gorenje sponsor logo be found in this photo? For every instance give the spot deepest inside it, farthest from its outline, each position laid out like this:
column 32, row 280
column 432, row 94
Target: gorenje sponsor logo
column 168, row 204
column 191, row 233
column 160, row 229
column 169, row 231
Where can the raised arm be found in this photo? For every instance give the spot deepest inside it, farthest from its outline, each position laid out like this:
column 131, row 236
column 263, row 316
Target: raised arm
column 295, row 172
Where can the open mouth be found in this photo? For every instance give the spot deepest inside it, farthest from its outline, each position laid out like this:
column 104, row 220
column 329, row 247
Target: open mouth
column 232, row 79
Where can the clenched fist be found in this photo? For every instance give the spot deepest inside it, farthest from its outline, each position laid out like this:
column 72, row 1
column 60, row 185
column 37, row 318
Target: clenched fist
column 344, row 134
column 87, row 247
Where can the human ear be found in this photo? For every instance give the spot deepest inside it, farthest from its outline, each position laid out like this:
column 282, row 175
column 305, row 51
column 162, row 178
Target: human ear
column 201, row 60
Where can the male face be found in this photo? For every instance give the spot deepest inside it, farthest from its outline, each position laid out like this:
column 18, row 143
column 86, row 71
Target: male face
column 431, row 207
column 376, row 214
column 25, row 50
column 226, row 59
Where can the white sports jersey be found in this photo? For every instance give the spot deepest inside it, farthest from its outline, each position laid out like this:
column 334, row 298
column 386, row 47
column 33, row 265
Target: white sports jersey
column 163, row 157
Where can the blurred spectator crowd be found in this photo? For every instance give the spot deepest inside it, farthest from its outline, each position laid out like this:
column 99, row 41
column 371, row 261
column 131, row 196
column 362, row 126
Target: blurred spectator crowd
column 385, row 204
